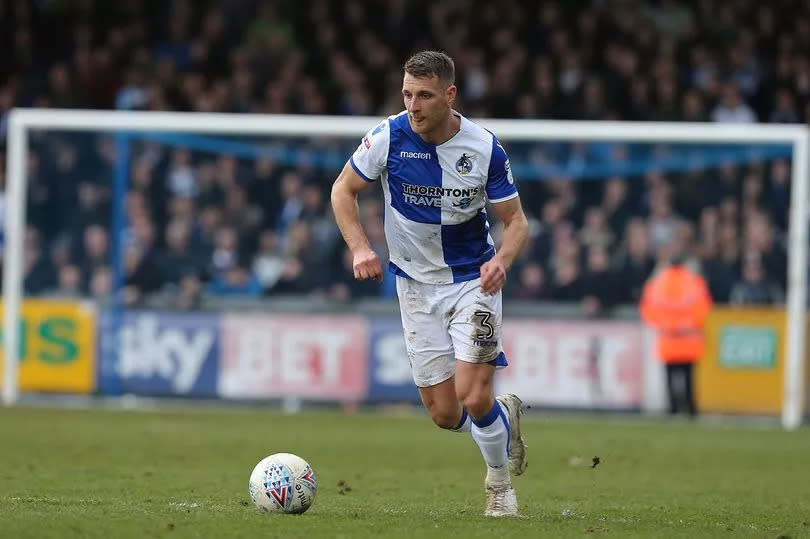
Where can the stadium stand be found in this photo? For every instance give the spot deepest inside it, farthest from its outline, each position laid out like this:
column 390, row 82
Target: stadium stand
column 212, row 224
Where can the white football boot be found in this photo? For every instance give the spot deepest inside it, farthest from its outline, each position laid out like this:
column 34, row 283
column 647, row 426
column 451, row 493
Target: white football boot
column 501, row 498
column 517, row 447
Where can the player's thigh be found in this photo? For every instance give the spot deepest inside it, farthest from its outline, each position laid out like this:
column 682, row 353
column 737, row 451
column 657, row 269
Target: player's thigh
column 475, row 327
column 429, row 346
column 441, row 395
column 442, row 403
column 474, row 380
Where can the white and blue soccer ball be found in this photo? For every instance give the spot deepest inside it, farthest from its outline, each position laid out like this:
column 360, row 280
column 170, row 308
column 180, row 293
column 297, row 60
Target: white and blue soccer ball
column 283, row 483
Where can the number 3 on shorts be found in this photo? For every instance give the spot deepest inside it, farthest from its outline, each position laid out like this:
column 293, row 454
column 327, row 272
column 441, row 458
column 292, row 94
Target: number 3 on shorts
column 487, row 330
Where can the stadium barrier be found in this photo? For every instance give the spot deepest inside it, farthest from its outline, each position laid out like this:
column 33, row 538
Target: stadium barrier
column 592, row 365
column 160, row 353
column 347, row 358
column 57, row 346
column 304, row 356
column 339, row 357
column 742, row 370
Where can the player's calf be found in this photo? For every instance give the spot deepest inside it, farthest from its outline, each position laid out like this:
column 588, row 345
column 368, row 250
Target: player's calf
column 451, row 420
column 511, row 405
column 443, row 406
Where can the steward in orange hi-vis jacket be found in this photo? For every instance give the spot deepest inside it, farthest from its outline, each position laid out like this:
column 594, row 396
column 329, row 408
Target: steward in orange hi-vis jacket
column 675, row 303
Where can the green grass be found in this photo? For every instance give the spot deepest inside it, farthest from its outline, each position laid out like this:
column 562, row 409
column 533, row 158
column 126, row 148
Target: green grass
column 183, row 473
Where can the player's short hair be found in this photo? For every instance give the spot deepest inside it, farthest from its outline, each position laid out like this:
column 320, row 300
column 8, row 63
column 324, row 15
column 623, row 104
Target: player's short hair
column 429, row 63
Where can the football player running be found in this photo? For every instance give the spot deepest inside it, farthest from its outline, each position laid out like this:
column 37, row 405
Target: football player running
column 438, row 171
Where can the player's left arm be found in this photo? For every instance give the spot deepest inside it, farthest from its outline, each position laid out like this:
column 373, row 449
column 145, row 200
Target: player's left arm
column 515, row 233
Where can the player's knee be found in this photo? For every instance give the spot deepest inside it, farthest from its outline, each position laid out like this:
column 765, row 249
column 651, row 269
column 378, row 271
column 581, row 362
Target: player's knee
column 446, row 422
column 477, row 402
column 445, row 419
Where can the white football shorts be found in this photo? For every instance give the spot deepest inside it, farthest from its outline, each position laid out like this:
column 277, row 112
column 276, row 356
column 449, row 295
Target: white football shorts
column 446, row 322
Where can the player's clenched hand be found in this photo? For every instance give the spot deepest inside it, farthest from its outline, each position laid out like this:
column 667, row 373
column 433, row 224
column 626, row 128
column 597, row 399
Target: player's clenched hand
column 493, row 276
column 366, row 265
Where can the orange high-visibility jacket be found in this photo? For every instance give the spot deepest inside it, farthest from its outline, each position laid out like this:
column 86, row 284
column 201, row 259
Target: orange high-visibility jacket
column 676, row 303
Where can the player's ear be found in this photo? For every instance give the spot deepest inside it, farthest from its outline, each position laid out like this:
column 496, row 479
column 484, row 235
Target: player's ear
column 451, row 94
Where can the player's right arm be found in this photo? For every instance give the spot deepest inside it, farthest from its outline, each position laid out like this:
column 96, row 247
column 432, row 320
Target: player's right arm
column 348, row 185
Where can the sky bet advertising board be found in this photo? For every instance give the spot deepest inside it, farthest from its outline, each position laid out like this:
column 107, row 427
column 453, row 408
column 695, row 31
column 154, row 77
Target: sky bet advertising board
column 155, row 353
column 311, row 357
column 390, row 376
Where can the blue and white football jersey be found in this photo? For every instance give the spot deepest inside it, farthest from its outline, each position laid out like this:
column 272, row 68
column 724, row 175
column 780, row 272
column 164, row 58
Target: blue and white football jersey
column 435, row 218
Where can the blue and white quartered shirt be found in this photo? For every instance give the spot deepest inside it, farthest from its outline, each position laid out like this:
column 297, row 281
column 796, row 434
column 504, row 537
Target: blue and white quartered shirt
column 435, row 219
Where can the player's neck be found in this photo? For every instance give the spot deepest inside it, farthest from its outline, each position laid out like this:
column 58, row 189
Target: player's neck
column 445, row 131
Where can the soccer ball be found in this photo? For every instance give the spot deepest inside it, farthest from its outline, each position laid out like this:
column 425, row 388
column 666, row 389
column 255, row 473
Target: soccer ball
column 283, row 483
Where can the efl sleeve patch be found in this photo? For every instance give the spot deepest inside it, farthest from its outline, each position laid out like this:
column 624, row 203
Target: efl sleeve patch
column 371, row 155
column 500, row 182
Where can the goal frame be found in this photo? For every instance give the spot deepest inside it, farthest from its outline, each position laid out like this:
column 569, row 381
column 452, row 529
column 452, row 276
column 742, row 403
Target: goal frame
column 22, row 121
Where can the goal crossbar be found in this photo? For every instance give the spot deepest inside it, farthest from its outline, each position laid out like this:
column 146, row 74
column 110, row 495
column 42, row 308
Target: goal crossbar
column 22, row 121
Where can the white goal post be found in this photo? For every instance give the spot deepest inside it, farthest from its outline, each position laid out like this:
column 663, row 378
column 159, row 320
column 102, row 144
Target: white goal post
column 21, row 121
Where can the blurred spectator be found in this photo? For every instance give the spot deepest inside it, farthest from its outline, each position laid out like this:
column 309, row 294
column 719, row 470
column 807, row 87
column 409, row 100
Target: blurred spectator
column 226, row 251
column 240, row 214
column 599, row 285
column 293, row 279
column 662, row 220
column 37, row 273
column 720, row 261
column 178, row 259
column 133, row 94
column 784, row 108
column 778, row 198
column 235, row 281
column 101, row 285
column 189, row 293
column 567, row 281
column 754, row 288
column 634, row 263
column 69, row 282
column 303, row 270
column 268, row 264
column 96, row 252
column 532, row 284
column 181, row 178
column 694, row 108
column 205, row 229
column 732, row 108
column 349, row 288
column 703, row 69
column 291, row 204
column 671, row 18
column 91, row 208
column 141, row 274
column 552, row 217
column 616, row 205
column 265, row 190
column 595, row 233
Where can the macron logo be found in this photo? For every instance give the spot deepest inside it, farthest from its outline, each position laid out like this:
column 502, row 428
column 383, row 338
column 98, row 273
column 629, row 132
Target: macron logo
column 414, row 155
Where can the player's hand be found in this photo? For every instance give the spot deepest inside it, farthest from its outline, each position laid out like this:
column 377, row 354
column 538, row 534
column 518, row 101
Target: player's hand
column 367, row 266
column 493, row 276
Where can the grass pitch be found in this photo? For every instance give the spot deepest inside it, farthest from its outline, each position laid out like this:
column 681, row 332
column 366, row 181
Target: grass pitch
column 183, row 473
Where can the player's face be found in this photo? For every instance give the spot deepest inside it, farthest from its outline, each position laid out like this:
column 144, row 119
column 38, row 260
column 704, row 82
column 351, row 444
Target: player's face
column 427, row 101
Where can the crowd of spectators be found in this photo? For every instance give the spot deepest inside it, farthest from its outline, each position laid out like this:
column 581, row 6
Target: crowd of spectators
column 208, row 223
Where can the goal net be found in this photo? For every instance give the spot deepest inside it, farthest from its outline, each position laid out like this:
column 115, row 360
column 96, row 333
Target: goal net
column 159, row 237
